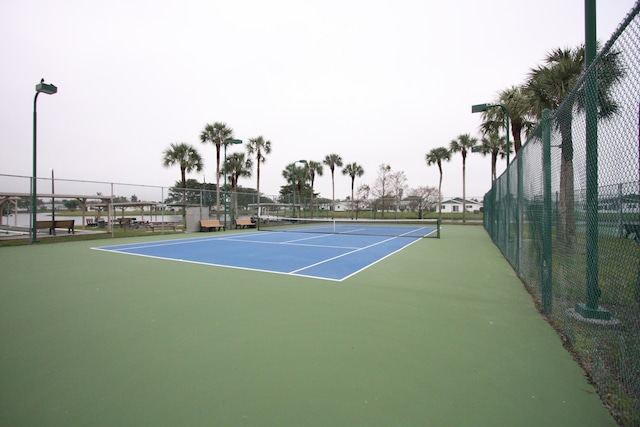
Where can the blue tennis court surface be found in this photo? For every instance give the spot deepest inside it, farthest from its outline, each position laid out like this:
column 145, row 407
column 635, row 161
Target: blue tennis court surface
column 323, row 256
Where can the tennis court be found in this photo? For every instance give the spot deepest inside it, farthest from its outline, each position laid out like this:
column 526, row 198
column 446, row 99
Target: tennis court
column 439, row 333
column 320, row 250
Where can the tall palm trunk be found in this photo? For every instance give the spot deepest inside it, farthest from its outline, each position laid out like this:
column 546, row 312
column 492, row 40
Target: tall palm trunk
column 218, row 181
column 464, row 189
column 258, row 187
column 567, row 223
column 183, row 174
column 516, row 131
column 333, row 197
column 494, row 160
column 440, row 193
column 352, row 200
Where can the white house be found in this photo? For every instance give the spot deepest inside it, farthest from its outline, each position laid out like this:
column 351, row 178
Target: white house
column 455, row 205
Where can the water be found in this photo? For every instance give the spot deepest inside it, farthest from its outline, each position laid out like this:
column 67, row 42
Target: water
column 24, row 219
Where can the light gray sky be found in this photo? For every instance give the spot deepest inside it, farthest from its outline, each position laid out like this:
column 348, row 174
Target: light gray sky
column 373, row 81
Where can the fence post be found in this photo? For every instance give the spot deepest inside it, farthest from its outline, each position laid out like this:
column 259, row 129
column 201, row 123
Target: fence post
column 519, row 221
column 591, row 308
column 547, row 214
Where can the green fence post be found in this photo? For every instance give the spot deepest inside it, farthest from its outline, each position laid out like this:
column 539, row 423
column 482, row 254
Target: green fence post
column 518, row 224
column 547, row 214
column 591, row 308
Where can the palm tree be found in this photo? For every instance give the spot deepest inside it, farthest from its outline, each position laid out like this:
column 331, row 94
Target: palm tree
column 259, row 147
column 435, row 157
column 216, row 134
column 313, row 169
column 495, row 145
column 297, row 176
column 237, row 166
column 550, row 86
column 493, row 119
column 353, row 170
column 463, row 144
column 188, row 158
column 333, row 160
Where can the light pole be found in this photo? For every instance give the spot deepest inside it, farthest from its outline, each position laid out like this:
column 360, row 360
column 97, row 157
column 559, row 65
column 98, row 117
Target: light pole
column 479, row 108
column 293, row 187
column 53, row 203
column 49, row 89
column 225, row 143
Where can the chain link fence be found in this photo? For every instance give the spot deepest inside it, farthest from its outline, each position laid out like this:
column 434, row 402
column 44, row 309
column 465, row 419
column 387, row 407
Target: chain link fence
column 110, row 203
column 566, row 214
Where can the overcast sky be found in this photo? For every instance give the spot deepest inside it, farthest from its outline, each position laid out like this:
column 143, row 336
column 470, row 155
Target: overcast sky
column 373, row 81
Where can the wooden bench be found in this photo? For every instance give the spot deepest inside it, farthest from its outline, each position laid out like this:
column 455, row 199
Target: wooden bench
column 162, row 225
column 44, row 224
column 124, row 222
column 632, row 228
column 210, row 224
column 69, row 224
column 244, row 223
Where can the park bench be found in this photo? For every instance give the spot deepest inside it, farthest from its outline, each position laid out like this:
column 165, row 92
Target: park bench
column 210, row 224
column 632, row 228
column 69, row 224
column 244, row 223
column 122, row 222
column 163, row 225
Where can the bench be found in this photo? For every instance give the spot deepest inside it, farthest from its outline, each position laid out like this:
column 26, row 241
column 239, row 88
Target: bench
column 69, row 224
column 124, row 221
column 210, row 224
column 244, row 223
column 162, row 225
column 632, row 228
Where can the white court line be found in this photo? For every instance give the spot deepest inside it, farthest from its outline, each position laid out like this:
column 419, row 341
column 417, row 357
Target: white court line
column 345, row 254
column 125, row 249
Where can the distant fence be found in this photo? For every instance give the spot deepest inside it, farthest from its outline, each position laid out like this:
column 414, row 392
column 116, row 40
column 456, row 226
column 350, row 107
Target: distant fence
column 567, row 217
column 227, row 204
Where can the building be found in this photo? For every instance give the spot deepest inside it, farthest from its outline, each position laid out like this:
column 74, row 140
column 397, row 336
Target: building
column 455, row 205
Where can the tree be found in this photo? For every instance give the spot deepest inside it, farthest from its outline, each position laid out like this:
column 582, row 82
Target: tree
column 72, row 205
column 297, row 176
column 495, row 145
column 463, row 144
column 216, row 134
column 435, row 157
column 380, row 188
column 313, row 169
column 550, row 86
column 259, row 147
column 398, row 183
column 353, row 170
column 363, row 195
column 493, row 119
column 333, row 161
column 185, row 156
column 423, row 199
column 188, row 158
column 237, row 166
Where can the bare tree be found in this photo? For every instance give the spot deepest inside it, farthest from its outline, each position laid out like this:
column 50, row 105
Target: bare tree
column 381, row 188
column 398, row 182
column 423, row 199
column 362, row 195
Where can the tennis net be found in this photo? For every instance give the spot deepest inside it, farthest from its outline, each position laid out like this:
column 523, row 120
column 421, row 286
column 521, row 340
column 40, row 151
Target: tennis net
column 394, row 228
